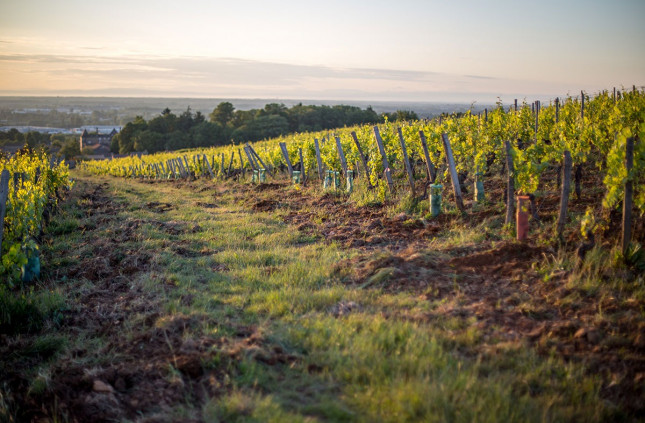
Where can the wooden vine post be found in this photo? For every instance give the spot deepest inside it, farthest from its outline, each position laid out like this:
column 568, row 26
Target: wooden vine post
column 302, row 168
column 285, row 154
column 250, row 157
column 629, row 192
column 171, row 167
column 184, row 169
column 453, row 173
column 239, row 152
column 230, row 164
column 537, row 118
column 318, row 160
column 257, row 156
column 564, row 197
column 4, row 193
column 430, row 169
column 386, row 164
column 187, row 166
column 341, row 154
column 408, row 168
column 510, row 184
column 363, row 158
column 208, row 166
column 557, row 109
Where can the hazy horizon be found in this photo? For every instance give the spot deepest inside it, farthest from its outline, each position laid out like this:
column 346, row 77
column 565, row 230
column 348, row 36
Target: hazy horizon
column 428, row 51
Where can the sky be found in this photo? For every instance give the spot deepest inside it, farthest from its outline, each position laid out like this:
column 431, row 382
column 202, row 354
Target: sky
column 403, row 50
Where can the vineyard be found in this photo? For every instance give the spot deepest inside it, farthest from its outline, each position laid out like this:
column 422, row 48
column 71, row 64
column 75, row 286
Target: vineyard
column 587, row 135
column 30, row 186
column 474, row 267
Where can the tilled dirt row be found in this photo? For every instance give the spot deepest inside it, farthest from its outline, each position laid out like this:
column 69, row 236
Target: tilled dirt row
column 146, row 362
column 495, row 282
column 164, row 361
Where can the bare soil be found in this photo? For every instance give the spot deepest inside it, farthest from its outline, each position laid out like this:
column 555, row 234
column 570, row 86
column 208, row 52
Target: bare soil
column 495, row 282
column 156, row 361
column 165, row 361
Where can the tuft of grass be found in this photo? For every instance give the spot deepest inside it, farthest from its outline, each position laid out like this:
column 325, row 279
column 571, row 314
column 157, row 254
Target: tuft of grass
column 19, row 312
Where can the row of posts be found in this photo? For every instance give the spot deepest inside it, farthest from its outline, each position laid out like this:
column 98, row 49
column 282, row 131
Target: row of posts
column 518, row 212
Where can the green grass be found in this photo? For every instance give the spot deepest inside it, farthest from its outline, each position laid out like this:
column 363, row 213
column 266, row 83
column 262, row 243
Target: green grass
column 360, row 367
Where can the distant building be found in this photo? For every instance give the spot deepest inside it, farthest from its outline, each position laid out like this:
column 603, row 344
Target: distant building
column 96, row 138
column 97, row 152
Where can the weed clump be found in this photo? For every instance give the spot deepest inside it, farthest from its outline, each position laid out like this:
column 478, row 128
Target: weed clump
column 19, row 313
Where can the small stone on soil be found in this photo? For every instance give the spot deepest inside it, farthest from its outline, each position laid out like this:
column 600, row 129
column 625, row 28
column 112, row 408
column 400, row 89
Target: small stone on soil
column 100, row 386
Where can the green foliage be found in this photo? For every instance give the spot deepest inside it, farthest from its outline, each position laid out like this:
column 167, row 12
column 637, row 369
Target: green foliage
column 588, row 223
column 630, row 124
column 223, row 113
column 25, row 206
column 19, row 313
column 598, row 137
column 171, row 132
column 635, row 257
column 70, row 149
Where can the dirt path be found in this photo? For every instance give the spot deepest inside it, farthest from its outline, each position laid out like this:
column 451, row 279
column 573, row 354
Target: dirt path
column 160, row 320
column 499, row 283
column 129, row 356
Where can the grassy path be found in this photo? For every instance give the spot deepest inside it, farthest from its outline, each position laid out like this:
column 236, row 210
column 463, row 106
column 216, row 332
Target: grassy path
column 175, row 302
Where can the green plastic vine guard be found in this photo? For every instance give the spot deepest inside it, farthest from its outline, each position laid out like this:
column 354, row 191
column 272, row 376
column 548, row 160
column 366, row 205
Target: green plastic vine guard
column 336, row 180
column 296, row 177
column 350, row 181
column 435, row 199
column 480, row 196
column 31, row 270
column 327, row 181
column 255, row 178
column 263, row 175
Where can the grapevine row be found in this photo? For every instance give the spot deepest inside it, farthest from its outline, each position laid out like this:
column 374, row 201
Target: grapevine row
column 30, row 183
column 594, row 131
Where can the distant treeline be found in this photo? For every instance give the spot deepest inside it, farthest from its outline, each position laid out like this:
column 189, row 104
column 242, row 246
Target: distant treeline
column 64, row 144
column 60, row 119
column 31, row 138
column 226, row 125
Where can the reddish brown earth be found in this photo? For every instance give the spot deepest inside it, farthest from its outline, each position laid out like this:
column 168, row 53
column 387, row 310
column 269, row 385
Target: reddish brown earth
column 494, row 282
column 162, row 362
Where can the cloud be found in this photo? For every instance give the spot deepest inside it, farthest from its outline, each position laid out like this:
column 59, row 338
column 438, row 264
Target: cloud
column 233, row 77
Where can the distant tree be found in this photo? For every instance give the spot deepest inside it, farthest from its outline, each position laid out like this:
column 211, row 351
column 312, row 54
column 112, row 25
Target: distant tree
column 242, row 117
column 267, row 126
column 127, row 134
column 149, row 141
column 223, row 113
column 33, row 138
column 158, row 125
column 185, row 120
column 14, row 134
column 401, row 115
column 199, row 118
column 274, row 109
column 70, row 149
column 177, row 140
column 207, row 134
column 114, row 143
